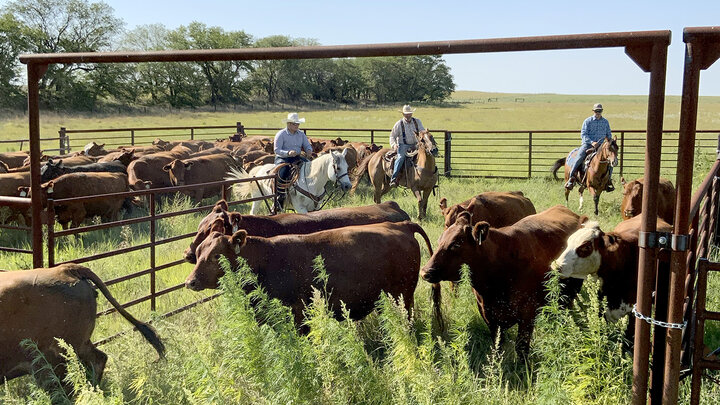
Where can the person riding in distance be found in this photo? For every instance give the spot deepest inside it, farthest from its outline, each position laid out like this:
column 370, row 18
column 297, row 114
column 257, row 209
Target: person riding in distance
column 289, row 143
column 403, row 139
column 595, row 129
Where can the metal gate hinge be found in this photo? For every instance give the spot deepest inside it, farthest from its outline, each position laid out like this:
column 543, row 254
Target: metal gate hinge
column 663, row 240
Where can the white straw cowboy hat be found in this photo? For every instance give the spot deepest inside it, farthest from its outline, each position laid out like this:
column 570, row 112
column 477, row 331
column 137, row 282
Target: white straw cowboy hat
column 407, row 109
column 294, row 118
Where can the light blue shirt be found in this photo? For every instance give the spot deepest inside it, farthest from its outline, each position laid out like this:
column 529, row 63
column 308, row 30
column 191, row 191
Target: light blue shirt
column 595, row 130
column 286, row 141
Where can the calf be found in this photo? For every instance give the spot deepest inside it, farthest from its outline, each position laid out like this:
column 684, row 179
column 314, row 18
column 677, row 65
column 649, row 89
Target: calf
column 509, row 266
column 362, row 262
column 612, row 257
column 203, row 169
column 498, row 208
column 632, row 199
column 58, row 302
column 282, row 224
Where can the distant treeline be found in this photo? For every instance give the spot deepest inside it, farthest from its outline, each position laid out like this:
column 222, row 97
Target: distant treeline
column 49, row 26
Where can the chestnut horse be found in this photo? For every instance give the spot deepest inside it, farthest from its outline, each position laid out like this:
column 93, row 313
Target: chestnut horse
column 598, row 175
column 419, row 179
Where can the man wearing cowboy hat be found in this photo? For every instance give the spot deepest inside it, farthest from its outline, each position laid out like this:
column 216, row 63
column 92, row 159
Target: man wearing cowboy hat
column 289, row 143
column 403, row 139
column 595, row 129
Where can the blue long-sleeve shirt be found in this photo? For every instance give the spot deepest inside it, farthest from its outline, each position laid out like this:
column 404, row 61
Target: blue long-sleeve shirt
column 595, row 130
column 286, row 141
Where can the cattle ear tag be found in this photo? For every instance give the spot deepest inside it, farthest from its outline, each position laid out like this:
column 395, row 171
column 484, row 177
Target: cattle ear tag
column 50, row 190
column 237, row 249
column 23, row 193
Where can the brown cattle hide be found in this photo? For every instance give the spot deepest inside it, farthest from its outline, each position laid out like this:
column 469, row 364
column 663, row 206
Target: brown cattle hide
column 498, row 208
column 13, row 159
column 632, row 199
column 149, row 168
column 203, row 169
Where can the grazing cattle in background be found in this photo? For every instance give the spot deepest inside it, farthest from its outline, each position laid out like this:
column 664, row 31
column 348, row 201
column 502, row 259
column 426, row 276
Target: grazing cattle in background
column 93, row 149
column 283, row 224
column 149, row 168
column 58, row 302
column 498, row 208
column 247, row 144
column 203, row 169
column 140, row 150
column 3, row 167
column 361, row 261
column 13, row 159
column 118, row 154
column 612, row 257
column 632, row 199
column 211, row 151
column 81, row 185
column 75, row 160
column 364, row 150
column 350, row 155
column 509, row 266
column 194, row 145
column 9, row 185
column 52, row 170
column 265, row 159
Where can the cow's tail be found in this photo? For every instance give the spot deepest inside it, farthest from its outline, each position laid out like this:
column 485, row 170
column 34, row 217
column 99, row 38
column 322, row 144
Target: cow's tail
column 558, row 164
column 146, row 330
column 436, row 290
column 360, row 171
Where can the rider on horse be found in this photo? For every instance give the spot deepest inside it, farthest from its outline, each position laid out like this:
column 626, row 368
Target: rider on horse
column 402, row 140
column 289, row 143
column 595, row 129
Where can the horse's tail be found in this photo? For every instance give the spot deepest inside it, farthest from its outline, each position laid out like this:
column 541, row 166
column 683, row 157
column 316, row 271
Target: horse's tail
column 558, row 164
column 360, row 171
column 245, row 188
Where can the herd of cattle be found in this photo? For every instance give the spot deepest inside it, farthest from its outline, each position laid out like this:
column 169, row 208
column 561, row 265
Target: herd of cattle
column 163, row 164
column 509, row 248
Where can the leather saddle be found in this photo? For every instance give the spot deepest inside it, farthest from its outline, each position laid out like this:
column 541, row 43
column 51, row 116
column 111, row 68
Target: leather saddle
column 389, row 158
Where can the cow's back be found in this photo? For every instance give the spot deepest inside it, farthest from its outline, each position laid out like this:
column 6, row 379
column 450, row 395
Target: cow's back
column 500, row 209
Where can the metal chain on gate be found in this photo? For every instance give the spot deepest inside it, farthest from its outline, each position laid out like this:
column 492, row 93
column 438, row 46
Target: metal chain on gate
column 655, row 322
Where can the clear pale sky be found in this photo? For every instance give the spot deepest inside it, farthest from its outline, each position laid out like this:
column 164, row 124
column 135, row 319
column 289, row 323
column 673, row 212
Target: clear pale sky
column 595, row 71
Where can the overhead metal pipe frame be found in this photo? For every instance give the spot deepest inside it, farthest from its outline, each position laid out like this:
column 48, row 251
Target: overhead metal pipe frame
column 648, row 49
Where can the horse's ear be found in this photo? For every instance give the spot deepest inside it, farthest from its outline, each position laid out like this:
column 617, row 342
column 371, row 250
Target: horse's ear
column 443, row 204
column 622, row 181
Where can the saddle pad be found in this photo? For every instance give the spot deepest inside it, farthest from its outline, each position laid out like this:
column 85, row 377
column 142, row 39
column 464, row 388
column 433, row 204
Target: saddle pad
column 572, row 157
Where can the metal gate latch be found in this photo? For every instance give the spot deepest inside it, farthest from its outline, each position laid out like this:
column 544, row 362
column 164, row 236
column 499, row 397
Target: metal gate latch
column 663, row 240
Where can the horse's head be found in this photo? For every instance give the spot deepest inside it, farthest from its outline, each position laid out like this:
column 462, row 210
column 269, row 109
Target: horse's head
column 609, row 151
column 339, row 170
column 427, row 141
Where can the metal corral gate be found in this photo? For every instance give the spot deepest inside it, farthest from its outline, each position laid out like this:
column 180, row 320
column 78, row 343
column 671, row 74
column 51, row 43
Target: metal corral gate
column 648, row 49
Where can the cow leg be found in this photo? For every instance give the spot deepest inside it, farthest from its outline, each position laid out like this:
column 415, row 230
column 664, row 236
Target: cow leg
column 44, row 376
column 78, row 215
column 525, row 330
column 93, row 359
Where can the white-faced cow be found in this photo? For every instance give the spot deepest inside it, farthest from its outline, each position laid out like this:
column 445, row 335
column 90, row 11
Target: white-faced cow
column 58, row 302
column 509, row 265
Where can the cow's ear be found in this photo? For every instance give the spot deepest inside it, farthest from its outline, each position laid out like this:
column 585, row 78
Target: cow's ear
column 188, row 165
column 622, row 181
column 167, row 167
column 583, row 220
column 443, row 204
column 102, row 146
column 235, row 220
column 238, row 239
column 481, row 231
column 218, row 226
column 220, row 206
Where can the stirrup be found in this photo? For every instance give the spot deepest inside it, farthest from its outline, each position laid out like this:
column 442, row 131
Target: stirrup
column 569, row 185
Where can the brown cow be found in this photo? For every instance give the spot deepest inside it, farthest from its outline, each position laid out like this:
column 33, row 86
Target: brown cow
column 194, row 145
column 612, row 257
column 13, row 159
column 632, row 199
column 94, row 149
column 81, row 185
column 285, row 223
column 350, row 157
column 58, row 302
column 149, row 168
column 284, row 264
column 3, row 167
column 498, row 208
column 263, row 160
column 508, row 265
column 119, row 154
column 9, row 184
column 203, row 169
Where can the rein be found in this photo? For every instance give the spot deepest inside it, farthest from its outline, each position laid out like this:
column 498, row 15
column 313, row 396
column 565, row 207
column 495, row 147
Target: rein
column 318, row 199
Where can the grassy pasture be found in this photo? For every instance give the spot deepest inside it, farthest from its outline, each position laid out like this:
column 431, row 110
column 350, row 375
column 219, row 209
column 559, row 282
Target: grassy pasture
column 218, row 353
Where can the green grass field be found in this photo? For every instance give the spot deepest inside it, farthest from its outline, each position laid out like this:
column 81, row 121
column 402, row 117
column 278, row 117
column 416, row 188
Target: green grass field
column 218, row 353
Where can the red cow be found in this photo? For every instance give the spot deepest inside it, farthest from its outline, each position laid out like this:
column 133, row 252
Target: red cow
column 632, row 199
column 203, row 169
column 508, row 265
column 496, row 207
column 149, row 168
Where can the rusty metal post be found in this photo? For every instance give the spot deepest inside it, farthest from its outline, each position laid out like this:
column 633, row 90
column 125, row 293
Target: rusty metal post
column 372, row 136
column 448, row 153
column 683, row 183
column 699, row 329
column 132, row 137
column 192, row 133
column 648, row 256
column 622, row 152
column 662, row 283
column 62, row 142
column 529, row 155
column 51, row 231
column 34, row 73
column 152, row 251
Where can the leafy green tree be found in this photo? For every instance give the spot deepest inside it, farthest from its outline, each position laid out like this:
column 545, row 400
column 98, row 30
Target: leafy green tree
column 65, row 26
column 407, row 78
column 12, row 43
column 280, row 78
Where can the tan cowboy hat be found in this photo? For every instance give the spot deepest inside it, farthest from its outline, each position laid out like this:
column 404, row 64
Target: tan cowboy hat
column 407, row 109
column 294, row 118
column 597, row 106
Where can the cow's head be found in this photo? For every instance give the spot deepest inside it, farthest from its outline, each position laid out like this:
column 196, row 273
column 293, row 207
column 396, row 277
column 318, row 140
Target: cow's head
column 52, row 170
column 450, row 213
column 632, row 198
column 231, row 224
column 164, row 145
column 176, row 170
column 583, row 254
column 458, row 243
column 207, row 271
column 94, row 149
column 126, row 156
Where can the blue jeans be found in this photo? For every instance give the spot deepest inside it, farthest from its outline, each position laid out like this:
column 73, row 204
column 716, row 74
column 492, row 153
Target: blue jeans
column 400, row 160
column 582, row 154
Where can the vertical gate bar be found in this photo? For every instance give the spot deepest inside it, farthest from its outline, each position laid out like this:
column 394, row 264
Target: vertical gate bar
column 699, row 332
column 34, row 73
column 683, row 183
column 647, row 256
column 448, row 153
column 192, row 133
column 132, row 137
column 61, row 134
column 152, row 251
column 662, row 287
column 529, row 155
column 707, row 213
column 51, row 231
column 622, row 152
